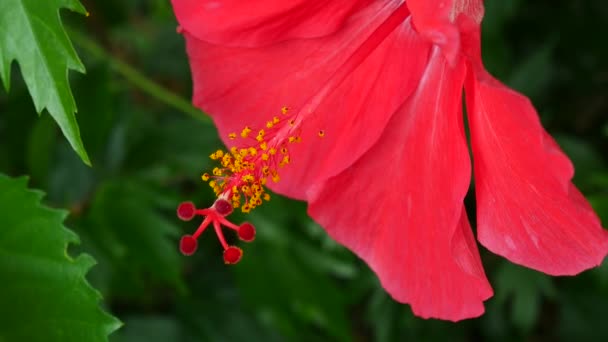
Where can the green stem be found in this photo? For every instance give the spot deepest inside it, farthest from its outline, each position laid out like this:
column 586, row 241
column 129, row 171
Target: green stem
column 138, row 79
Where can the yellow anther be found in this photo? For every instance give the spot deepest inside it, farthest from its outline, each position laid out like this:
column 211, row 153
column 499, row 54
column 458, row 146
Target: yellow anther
column 298, row 139
column 245, row 132
column 226, row 161
column 246, row 169
column 285, row 110
column 321, row 133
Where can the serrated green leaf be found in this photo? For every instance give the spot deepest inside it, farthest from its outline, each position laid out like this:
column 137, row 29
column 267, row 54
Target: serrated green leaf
column 32, row 34
column 44, row 295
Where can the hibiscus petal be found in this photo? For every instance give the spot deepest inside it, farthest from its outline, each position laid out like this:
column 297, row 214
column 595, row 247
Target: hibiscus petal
column 241, row 87
column 428, row 13
column 262, row 22
column 400, row 207
column 527, row 209
column 435, row 20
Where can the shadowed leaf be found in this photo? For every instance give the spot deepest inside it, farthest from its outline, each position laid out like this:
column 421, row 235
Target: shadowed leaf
column 32, row 34
column 44, row 296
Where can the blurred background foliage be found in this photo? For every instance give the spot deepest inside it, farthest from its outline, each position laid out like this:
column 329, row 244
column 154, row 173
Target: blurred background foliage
column 148, row 147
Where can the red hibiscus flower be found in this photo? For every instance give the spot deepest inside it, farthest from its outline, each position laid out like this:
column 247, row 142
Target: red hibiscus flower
column 382, row 81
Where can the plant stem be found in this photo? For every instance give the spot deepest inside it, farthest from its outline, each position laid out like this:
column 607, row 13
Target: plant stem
column 138, row 79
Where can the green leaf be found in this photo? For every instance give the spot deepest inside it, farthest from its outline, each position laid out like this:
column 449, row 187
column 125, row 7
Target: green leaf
column 600, row 204
column 40, row 149
column 149, row 329
column 526, row 290
column 587, row 160
column 32, row 34
column 273, row 279
column 125, row 223
column 44, row 296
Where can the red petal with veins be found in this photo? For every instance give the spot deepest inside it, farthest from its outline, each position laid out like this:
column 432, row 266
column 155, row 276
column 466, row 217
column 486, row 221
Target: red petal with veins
column 400, row 206
column 430, row 14
column 262, row 22
column 435, row 20
column 431, row 20
column 527, row 209
column 353, row 81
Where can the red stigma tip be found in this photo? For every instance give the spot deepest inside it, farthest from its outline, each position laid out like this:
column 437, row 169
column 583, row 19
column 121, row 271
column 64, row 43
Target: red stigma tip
column 215, row 216
column 246, row 232
column 223, row 207
column 232, row 255
column 186, row 211
column 188, row 245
